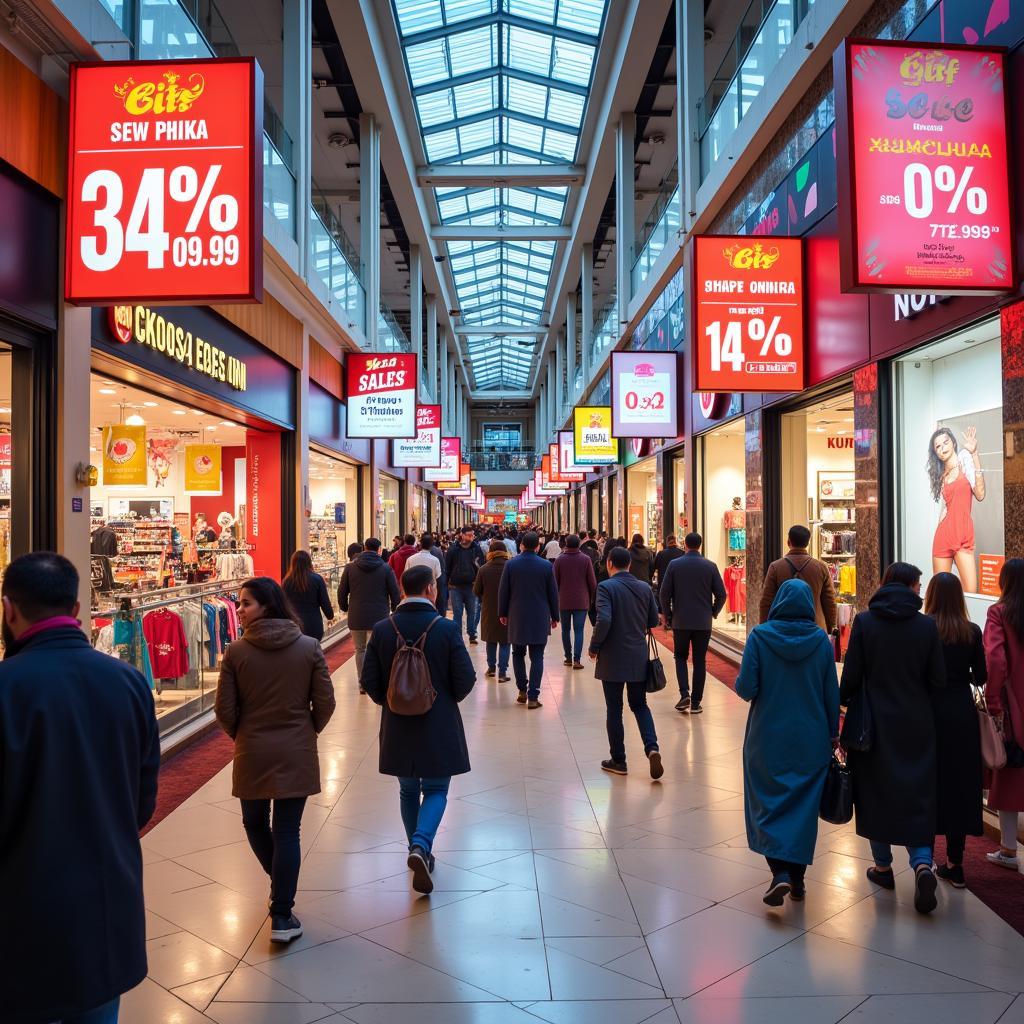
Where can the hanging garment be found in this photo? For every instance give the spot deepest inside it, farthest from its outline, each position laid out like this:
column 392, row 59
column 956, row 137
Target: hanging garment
column 211, row 634
column 738, row 540
column 735, row 579
column 735, row 519
column 168, row 646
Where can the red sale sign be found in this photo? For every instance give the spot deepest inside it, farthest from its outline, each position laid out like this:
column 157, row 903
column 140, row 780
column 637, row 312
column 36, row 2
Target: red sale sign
column 451, row 461
column 748, row 310
column 923, row 157
column 380, row 394
column 423, row 450
column 165, row 182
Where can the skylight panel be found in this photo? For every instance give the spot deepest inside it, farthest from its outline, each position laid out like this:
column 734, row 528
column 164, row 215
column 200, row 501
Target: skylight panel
column 535, row 10
column 435, row 107
column 441, row 144
column 525, row 97
column 580, row 15
column 573, row 61
column 428, row 62
column 462, row 10
column 474, row 50
column 565, row 107
column 482, row 133
column 524, row 135
column 528, row 50
column 418, row 15
column 559, row 144
column 473, row 97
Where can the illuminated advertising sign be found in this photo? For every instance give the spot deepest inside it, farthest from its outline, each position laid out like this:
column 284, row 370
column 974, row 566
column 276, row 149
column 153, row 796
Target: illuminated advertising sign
column 748, row 307
column 451, row 460
column 593, row 439
column 501, row 506
column 924, row 168
column 424, row 450
column 645, row 394
column 570, row 476
column 567, row 454
column 165, row 182
column 380, row 395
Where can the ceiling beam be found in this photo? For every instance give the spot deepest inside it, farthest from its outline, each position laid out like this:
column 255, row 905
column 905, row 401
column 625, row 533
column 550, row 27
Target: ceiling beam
column 499, row 175
column 500, row 330
column 511, row 232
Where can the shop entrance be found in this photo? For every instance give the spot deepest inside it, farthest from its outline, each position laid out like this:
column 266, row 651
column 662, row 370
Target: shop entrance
column 643, row 507
column 388, row 520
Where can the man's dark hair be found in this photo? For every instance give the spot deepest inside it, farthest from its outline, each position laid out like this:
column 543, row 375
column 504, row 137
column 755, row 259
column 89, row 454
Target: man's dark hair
column 354, row 550
column 372, row 544
column 620, row 558
column 467, row 529
column 693, row 540
column 41, row 585
column 799, row 536
column 638, row 540
column 572, row 542
column 426, row 541
column 591, row 534
column 410, row 539
column 530, row 540
column 670, row 539
column 900, row 572
column 416, row 580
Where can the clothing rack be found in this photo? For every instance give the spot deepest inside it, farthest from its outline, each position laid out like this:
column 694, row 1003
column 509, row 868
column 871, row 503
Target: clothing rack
column 187, row 591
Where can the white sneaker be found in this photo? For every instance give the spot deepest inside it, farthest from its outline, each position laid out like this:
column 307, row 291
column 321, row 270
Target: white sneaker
column 1004, row 860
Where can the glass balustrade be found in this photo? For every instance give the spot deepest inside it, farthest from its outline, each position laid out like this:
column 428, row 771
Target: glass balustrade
column 390, row 336
column 663, row 233
column 278, row 187
column 331, row 266
column 606, row 331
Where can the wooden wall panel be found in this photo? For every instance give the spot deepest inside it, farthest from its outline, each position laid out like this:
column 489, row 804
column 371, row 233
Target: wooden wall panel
column 270, row 324
column 324, row 369
column 33, row 128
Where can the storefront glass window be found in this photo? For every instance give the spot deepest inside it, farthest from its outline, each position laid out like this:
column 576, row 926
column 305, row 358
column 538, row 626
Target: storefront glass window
column 644, row 508
column 681, row 526
column 6, row 487
column 333, row 522
column 949, row 415
column 387, row 515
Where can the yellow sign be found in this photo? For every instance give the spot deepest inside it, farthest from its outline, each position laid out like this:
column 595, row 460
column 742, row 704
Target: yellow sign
column 202, row 467
column 124, row 455
column 592, row 436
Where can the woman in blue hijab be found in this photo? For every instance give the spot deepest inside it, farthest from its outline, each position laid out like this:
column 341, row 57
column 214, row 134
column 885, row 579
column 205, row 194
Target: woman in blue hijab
column 789, row 676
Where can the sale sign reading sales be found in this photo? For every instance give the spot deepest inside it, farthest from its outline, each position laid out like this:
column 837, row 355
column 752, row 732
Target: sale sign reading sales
column 165, row 182
column 380, row 394
column 749, row 314
column 923, row 156
column 423, row 450
column 645, row 394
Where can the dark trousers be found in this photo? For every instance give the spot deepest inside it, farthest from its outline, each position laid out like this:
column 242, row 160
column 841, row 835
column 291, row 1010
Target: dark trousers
column 536, row 668
column 955, row 845
column 697, row 640
column 276, row 846
column 786, row 867
column 636, row 694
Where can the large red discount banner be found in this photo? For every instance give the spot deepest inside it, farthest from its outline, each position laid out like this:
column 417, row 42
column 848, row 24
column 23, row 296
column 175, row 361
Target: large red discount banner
column 165, row 182
column 924, row 168
column 749, row 312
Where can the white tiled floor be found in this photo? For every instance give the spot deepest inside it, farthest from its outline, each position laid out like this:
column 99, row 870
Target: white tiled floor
column 562, row 894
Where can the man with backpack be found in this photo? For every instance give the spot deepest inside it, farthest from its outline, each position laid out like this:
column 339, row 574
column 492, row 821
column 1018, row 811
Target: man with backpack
column 418, row 669
column 798, row 564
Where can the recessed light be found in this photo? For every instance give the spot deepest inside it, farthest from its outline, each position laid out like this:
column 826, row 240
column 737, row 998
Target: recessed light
column 107, row 383
column 108, row 391
column 151, row 405
column 4, row 408
column 195, row 412
column 227, row 423
column 177, row 412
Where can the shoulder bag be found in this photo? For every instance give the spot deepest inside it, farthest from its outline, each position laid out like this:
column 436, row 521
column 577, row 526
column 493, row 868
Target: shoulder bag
column 993, row 748
column 837, row 796
column 655, row 679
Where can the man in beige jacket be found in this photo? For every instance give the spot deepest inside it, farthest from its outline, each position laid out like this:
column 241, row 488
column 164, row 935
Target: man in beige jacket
column 798, row 564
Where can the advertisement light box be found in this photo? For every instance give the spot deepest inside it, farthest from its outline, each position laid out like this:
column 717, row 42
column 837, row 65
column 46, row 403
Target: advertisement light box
column 645, row 394
column 380, row 394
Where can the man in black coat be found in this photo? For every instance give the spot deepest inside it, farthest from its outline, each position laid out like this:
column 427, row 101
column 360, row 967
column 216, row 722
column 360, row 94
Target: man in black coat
column 692, row 594
column 424, row 751
column 626, row 610
column 528, row 605
column 368, row 592
column 462, row 563
column 80, row 751
column 668, row 554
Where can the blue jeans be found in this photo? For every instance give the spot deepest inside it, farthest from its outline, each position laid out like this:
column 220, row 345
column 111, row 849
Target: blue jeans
column 463, row 597
column 574, row 618
column 498, row 653
column 531, row 686
column 423, row 819
column 882, row 852
column 276, row 847
column 636, row 694
column 105, row 1014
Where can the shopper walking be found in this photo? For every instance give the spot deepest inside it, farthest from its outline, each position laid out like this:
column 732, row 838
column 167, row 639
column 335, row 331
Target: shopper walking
column 423, row 751
column 692, row 594
column 1004, row 652
column 668, row 554
column 641, row 559
column 80, row 752
column 894, row 663
column 424, row 555
column 401, row 555
column 798, row 564
column 367, row 593
column 462, row 563
column 958, row 742
column 553, row 548
column 577, row 589
column 626, row 611
column 307, row 594
column 788, row 675
column 528, row 605
column 493, row 631
column 273, row 697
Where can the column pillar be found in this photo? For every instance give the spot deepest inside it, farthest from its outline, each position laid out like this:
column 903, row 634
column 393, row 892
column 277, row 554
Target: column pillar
column 301, row 483
column 416, row 320
column 625, row 211
column 443, row 378
column 432, row 389
column 570, row 349
column 587, row 311
column 689, row 90
column 298, row 59
column 559, row 373
column 552, row 394
column 369, row 220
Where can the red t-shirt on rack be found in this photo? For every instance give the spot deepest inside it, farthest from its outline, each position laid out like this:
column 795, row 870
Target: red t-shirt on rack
column 168, row 648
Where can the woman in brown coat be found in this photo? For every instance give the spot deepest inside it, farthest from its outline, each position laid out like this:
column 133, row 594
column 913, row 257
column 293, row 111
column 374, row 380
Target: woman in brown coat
column 493, row 633
column 275, row 694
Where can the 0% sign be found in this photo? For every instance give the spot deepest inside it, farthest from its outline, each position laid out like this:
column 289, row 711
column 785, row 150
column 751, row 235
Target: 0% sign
column 727, row 347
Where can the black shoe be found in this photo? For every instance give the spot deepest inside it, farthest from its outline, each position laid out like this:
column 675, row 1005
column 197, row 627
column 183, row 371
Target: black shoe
column 521, row 697
column 883, row 878
column 490, row 672
column 430, row 863
column 657, row 768
column 798, row 892
column 504, row 679
column 615, row 767
column 696, row 709
column 285, row 929
column 777, row 892
column 924, row 890
column 567, row 661
column 683, row 704
column 419, row 864
column 532, row 705
column 473, row 641
column 953, row 875
column 577, row 664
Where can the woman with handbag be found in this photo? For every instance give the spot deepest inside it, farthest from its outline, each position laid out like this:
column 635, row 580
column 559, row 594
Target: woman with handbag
column 957, row 737
column 893, row 667
column 1004, row 652
column 789, row 676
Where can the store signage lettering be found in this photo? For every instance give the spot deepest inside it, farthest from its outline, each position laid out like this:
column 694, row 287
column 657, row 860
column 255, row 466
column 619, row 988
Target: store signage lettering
column 424, row 450
column 748, row 306
column 645, row 394
column 923, row 137
column 381, row 395
column 839, row 442
column 592, row 435
column 165, row 182
column 451, row 459
column 157, row 332
column 906, row 305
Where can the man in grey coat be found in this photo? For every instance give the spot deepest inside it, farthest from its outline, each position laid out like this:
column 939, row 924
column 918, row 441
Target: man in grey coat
column 626, row 610
column 528, row 605
column 692, row 595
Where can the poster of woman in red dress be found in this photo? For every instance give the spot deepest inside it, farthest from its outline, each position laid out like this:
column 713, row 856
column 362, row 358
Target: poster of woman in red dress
column 957, row 481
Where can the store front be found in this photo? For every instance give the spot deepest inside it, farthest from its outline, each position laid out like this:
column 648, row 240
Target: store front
column 643, row 495
column 419, row 509
column 594, row 521
column 389, row 522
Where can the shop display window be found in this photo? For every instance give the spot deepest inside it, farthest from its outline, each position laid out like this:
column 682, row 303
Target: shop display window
column 681, row 527
column 949, row 461
column 643, row 512
column 388, row 523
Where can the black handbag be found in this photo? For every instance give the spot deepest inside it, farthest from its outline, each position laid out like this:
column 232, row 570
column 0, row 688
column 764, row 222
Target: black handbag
column 858, row 729
column 655, row 679
column 837, row 796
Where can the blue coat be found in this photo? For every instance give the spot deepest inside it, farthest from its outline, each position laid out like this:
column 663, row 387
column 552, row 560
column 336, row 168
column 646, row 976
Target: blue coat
column 528, row 598
column 789, row 676
column 626, row 609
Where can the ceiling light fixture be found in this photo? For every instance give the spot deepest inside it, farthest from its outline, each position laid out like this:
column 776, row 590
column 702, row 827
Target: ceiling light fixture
column 108, row 391
column 151, row 405
column 135, row 420
column 177, row 412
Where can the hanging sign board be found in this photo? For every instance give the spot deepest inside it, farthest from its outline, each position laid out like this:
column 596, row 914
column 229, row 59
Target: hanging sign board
column 124, row 455
column 568, row 476
column 461, row 487
column 593, row 439
column 380, row 394
column 451, row 460
column 202, row 467
column 567, row 454
column 748, row 307
column 165, row 182
column 924, row 168
column 645, row 394
column 424, row 450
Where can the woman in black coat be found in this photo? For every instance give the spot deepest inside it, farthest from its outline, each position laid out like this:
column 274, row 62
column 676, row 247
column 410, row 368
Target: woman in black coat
column 956, row 722
column 307, row 593
column 894, row 662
